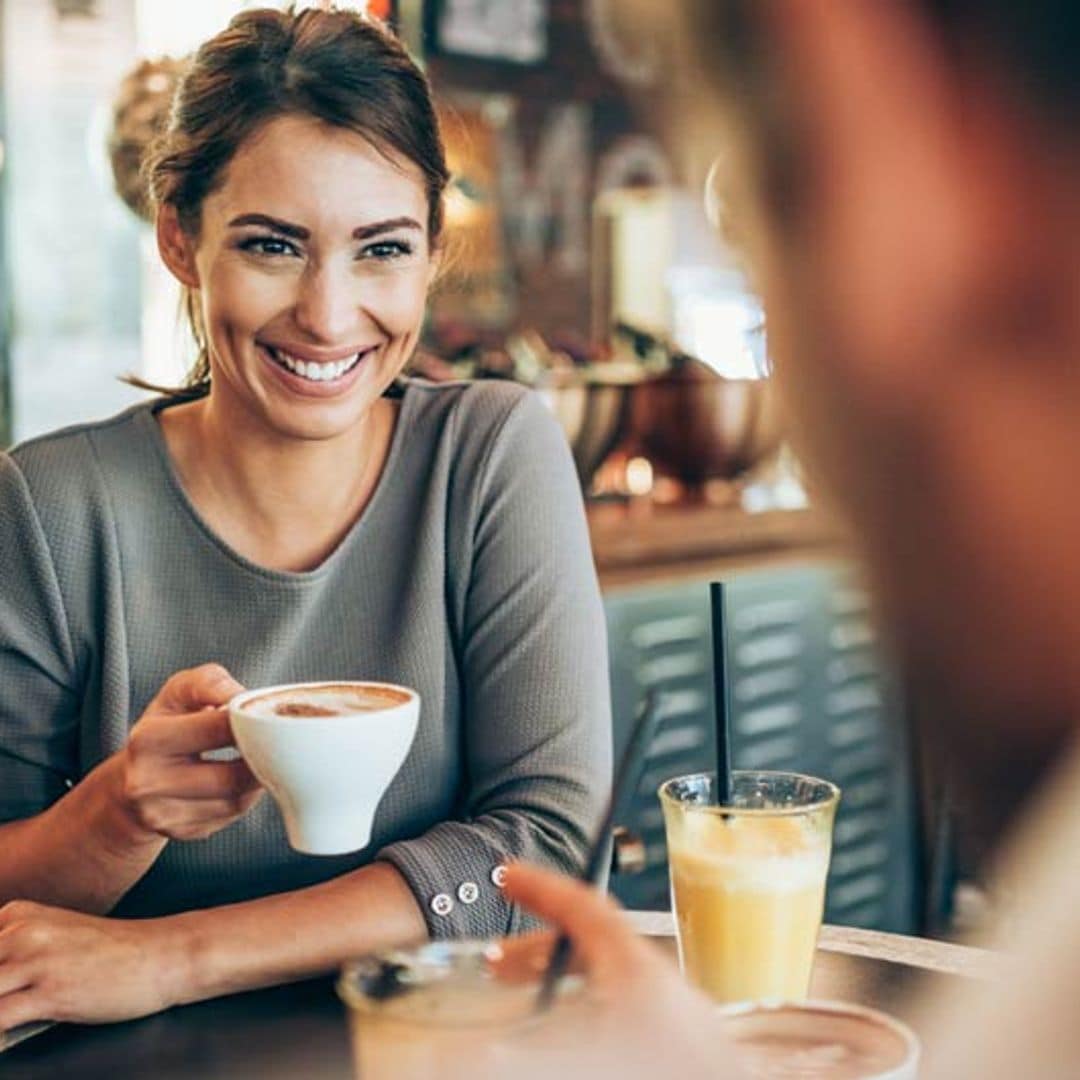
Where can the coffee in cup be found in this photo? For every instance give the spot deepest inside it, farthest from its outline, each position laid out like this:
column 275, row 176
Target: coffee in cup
column 819, row 1040
column 326, row 752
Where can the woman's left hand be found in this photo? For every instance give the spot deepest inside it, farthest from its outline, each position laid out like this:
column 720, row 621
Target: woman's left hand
column 57, row 964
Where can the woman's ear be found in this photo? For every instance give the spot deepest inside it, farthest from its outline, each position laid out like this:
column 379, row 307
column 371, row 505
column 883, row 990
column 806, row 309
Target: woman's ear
column 176, row 247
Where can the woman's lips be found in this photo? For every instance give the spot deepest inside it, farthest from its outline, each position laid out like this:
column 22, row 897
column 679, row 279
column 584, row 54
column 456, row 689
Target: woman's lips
column 319, row 387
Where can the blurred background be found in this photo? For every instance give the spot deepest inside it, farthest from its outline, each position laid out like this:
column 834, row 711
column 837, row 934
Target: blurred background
column 578, row 265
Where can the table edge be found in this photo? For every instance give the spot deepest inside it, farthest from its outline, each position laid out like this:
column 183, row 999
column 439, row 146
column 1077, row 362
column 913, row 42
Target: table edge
column 943, row 957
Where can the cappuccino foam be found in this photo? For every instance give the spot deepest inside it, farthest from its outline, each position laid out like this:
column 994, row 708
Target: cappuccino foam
column 326, row 701
column 802, row 1043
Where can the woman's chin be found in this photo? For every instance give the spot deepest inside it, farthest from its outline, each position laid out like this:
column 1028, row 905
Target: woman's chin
column 323, row 415
column 320, row 422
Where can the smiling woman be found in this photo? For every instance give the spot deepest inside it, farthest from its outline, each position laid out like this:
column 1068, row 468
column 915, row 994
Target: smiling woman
column 310, row 270
column 298, row 511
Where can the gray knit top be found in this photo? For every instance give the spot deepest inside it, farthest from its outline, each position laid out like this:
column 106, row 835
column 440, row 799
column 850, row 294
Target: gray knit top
column 468, row 577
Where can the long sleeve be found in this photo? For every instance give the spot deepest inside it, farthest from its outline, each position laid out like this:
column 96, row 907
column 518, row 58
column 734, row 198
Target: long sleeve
column 468, row 577
column 536, row 709
column 38, row 707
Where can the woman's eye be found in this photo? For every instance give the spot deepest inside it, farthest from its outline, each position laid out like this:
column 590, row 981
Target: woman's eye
column 268, row 245
column 385, row 250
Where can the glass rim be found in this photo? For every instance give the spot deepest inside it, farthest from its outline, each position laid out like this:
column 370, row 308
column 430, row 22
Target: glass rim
column 732, row 1011
column 354, row 969
column 829, row 798
column 353, row 996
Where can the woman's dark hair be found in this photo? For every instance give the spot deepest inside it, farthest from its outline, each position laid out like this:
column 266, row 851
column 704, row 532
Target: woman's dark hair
column 339, row 67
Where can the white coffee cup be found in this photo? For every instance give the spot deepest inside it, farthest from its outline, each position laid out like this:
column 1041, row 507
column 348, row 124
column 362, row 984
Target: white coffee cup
column 326, row 752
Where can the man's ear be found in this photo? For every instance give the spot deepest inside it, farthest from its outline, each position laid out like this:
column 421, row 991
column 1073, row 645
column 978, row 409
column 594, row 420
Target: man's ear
column 176, row 247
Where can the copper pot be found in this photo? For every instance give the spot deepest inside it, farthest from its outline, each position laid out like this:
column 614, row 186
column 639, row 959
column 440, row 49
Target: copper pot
column 593, row 415
column 695, row 426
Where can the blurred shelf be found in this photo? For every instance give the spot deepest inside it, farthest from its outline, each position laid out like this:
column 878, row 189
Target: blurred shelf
column 637, row 543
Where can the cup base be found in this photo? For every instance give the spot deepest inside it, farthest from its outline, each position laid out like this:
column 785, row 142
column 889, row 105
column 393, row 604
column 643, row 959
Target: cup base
column 327, row 838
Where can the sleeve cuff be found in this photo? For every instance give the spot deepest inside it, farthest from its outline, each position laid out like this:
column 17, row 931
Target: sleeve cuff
column 457, row 881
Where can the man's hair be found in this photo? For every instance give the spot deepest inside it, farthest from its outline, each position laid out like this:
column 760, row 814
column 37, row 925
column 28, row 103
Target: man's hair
column 1036, row 42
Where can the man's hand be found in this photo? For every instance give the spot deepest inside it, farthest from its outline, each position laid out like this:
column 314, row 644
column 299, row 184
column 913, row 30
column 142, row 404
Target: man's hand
column 641, row 1019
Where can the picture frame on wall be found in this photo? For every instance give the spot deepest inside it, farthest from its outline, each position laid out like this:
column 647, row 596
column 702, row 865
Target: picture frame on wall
column 510, row 31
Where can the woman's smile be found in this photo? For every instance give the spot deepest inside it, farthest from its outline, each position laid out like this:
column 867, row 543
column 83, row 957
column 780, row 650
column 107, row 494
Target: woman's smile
column 311, row 267
column 316, row 377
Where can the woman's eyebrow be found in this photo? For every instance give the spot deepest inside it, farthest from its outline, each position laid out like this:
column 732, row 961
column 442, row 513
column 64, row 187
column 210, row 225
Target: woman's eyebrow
column 298, row 232
column 365, row 232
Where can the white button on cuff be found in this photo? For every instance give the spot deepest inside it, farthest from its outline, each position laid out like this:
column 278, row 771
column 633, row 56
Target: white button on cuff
column 498, row 876
column 442, row 904
column 468, row 892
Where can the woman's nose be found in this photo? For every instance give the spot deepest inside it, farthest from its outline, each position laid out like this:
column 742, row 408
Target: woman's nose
column 328, row 306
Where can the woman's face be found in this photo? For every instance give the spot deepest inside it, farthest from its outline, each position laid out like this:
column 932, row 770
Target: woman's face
column 311, row 266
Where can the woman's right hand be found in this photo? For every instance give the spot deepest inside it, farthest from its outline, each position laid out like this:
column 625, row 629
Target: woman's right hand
column 166, row 788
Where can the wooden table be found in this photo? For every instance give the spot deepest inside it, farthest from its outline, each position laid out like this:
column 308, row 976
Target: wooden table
column 299, row 1031
column 884, row 971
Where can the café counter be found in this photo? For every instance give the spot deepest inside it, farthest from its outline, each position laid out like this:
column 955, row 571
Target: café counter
column 644, row 543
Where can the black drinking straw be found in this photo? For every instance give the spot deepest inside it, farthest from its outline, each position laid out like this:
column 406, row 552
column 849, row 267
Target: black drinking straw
column 625, row 783
column 720, row 693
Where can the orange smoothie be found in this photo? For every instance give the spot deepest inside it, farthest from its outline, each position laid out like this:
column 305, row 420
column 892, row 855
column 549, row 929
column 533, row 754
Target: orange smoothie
column 748, row 893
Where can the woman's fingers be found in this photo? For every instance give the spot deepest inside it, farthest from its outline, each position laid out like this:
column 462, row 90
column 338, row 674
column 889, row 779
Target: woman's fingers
column 168, row 785
column 64, row 965
column 20, row 1008
column 205, row 780
column 193, row 819
column 13, row 977
column 194, row 689
column 181, row 733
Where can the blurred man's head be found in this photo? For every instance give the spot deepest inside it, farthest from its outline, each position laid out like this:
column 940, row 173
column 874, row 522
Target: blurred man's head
column 913, row 200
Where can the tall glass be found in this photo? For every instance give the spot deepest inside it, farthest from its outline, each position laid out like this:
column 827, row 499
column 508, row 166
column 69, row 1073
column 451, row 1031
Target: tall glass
column 454, row 1010
column 748, row 880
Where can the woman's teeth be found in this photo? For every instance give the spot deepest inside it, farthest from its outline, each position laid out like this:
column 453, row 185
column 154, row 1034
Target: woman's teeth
column 307, row 369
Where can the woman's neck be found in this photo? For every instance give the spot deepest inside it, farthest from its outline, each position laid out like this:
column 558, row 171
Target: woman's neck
column 284, row 503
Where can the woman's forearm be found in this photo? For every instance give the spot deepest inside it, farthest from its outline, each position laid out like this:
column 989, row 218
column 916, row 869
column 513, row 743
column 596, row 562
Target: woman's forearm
column 84, row 852
column 291, row 935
